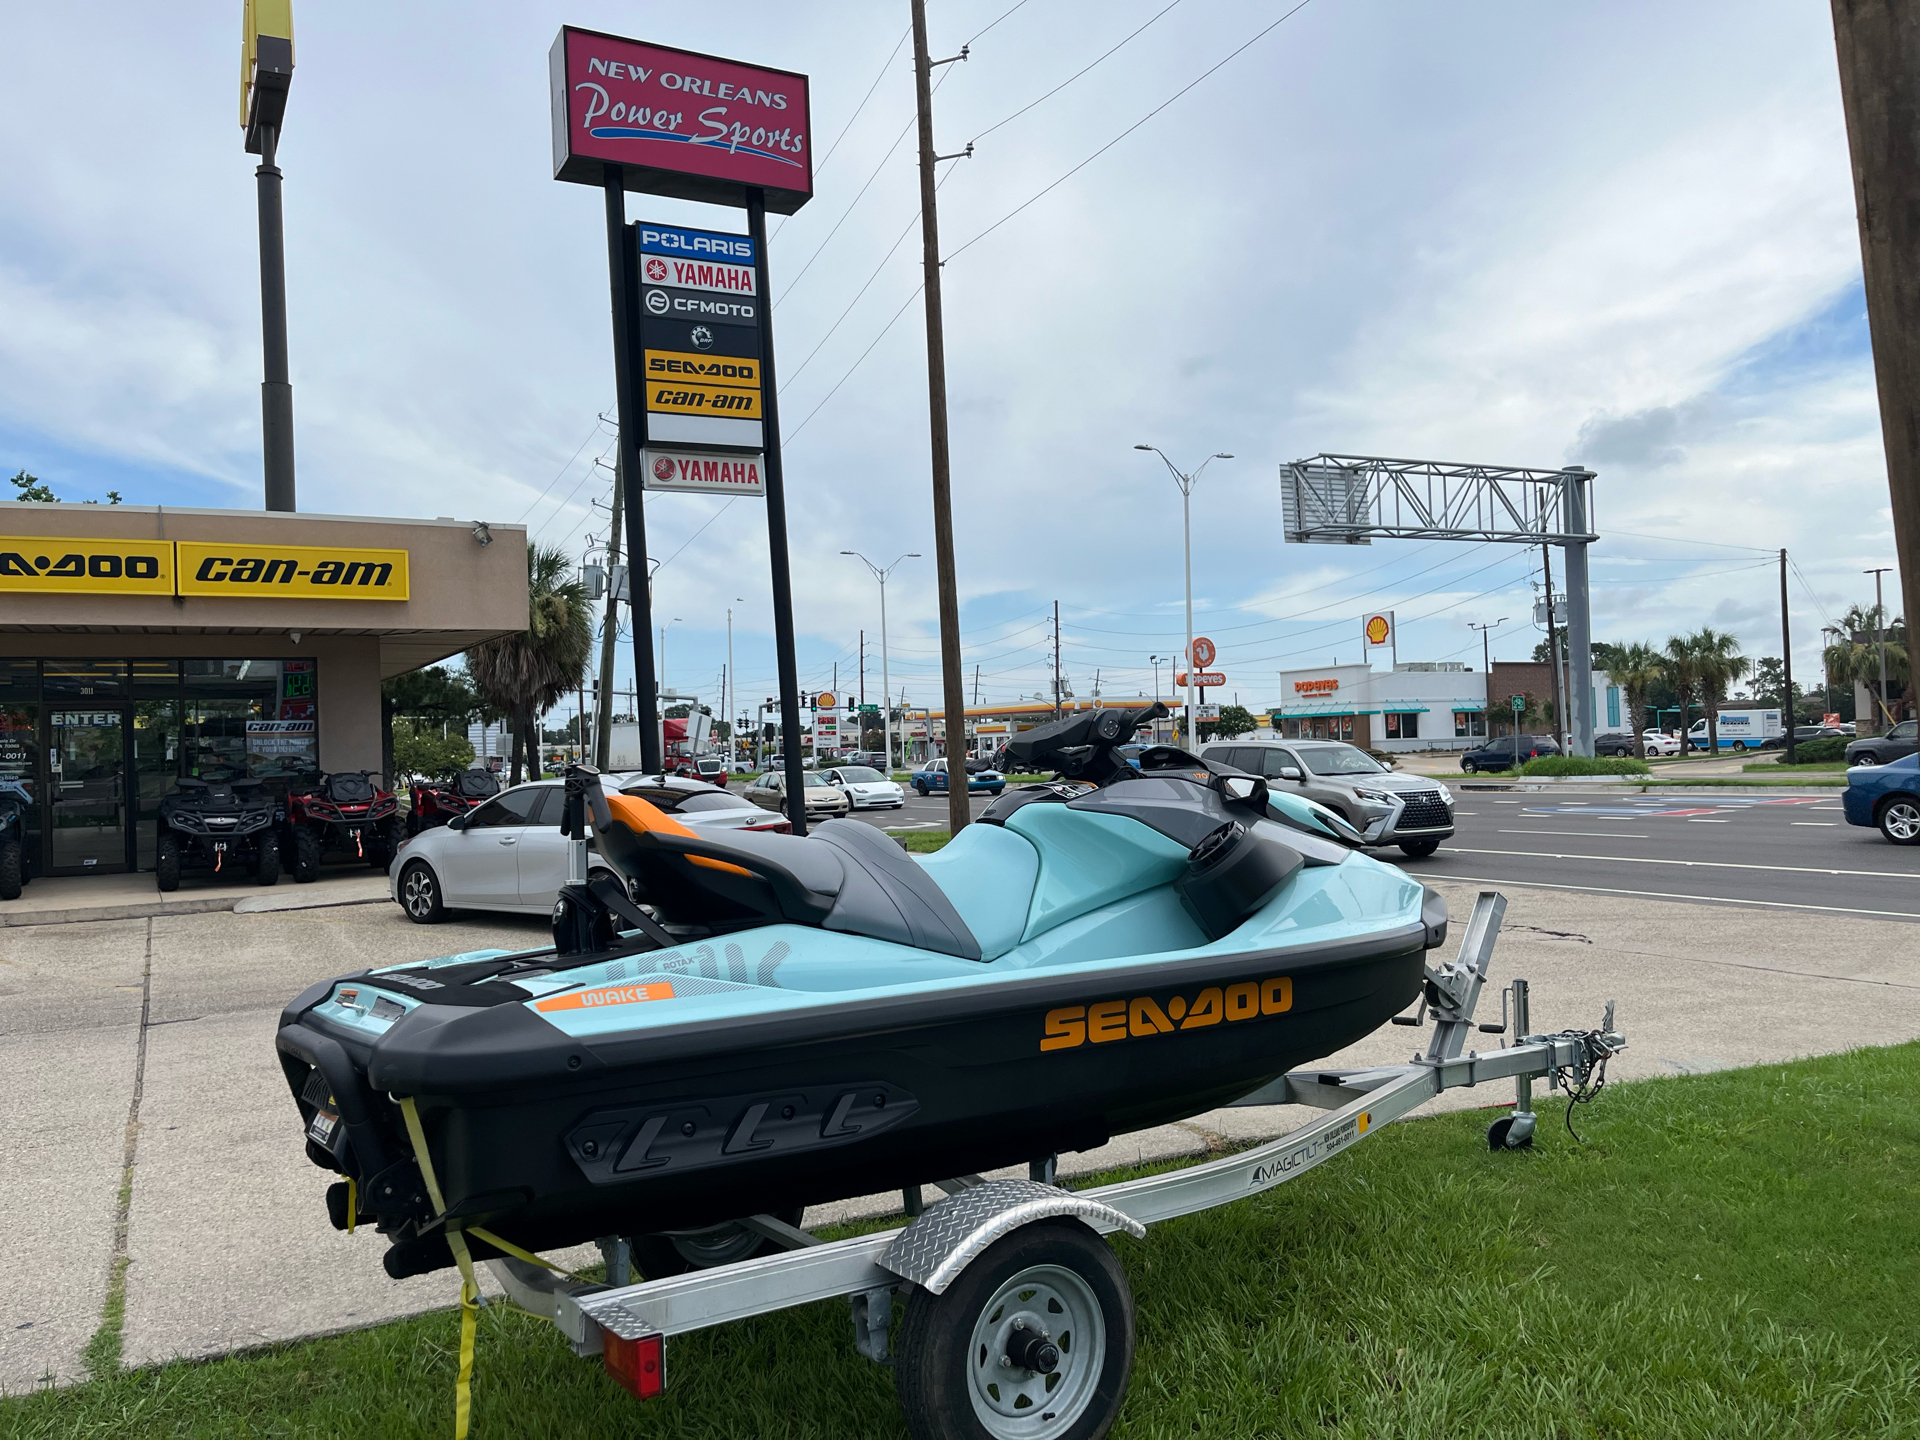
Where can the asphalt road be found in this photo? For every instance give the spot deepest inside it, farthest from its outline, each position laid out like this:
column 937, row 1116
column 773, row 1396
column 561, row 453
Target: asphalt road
column 1782, row 852
column 1786, row 852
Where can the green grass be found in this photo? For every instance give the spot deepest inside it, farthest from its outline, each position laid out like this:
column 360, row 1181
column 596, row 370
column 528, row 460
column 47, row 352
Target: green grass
column 1788, row 778
column 1581, row 765
column 923, row 842
column 1729, row 1255
column 1782, row 768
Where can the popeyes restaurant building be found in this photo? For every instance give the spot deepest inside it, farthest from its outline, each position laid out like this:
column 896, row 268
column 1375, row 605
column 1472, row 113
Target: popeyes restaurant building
column 1417, row 705
column 139, row 644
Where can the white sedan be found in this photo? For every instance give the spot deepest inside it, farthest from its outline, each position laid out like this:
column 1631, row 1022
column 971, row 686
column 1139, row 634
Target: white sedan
column 1661, row 744
column 866, row 787
column 509, row 854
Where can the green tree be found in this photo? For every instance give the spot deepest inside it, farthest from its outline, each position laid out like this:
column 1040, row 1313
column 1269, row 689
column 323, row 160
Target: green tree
column 1680, row 667
column 1603, row 651
column 30, row 488
column 436, row 693
column 1855, row 657
column 421, row 748
column 524, row 674
column 1717, row 663
column 1635, row 668
column 1234, row 720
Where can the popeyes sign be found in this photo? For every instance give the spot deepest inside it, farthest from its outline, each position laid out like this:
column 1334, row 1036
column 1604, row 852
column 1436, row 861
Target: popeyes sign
column 1315, row 687
column 691, row 126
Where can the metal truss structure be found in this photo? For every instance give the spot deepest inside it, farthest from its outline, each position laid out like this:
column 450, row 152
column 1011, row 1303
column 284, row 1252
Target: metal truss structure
column 1351, row 499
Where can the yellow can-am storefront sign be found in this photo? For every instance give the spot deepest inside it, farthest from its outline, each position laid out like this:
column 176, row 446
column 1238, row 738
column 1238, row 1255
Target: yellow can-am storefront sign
column 64, row 565
column 306, row 572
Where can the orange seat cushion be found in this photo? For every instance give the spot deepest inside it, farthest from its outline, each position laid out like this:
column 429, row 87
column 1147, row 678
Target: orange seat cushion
column 640, row 816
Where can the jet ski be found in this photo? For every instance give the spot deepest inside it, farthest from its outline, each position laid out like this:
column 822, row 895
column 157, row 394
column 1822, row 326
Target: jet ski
column 749, row 1023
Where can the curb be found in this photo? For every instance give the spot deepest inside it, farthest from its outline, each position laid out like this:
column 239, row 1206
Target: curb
column 146, row 909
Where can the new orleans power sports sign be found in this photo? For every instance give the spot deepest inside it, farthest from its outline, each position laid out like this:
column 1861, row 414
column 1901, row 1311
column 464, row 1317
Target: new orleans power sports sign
column 63, row 565
column 54, row 565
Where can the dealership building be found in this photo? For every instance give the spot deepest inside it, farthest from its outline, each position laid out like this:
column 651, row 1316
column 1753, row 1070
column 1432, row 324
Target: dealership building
column 140, row 643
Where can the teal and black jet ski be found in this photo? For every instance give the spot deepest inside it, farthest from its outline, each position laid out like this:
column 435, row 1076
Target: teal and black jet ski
column 758, row 1022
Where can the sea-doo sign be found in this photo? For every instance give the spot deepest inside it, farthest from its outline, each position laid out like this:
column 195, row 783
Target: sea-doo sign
column 701, row 345
column 63, row 565
column 692, row 126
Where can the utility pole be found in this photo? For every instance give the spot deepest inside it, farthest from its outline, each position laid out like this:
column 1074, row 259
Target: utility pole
column 952, row 685
column 1056, row 660
column 1560, row 682
column 1878, row 44
column 266, row 73
column 1880, row 643
column 731, row 691
column 1786, row 659
column 610, row 634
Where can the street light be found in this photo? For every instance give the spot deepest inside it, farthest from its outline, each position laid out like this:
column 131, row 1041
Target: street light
column 1486, row 664
column 886, row 700
column 731, row 690
column 1186, row 484
column 1156, row 661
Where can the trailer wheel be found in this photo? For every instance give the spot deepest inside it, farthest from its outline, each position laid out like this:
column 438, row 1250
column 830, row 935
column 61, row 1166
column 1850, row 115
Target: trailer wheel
column 1499, row 1135
column 1034, row 1339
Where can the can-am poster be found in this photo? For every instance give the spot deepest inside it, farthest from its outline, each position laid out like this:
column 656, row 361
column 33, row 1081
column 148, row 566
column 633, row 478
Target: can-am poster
column 692, row 126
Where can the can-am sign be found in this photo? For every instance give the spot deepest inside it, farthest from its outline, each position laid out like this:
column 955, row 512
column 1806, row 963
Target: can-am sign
column 692, row 126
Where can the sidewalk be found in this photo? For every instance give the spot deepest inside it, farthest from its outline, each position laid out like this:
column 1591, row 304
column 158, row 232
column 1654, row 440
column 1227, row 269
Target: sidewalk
column 142, row 1090
column 71, row 899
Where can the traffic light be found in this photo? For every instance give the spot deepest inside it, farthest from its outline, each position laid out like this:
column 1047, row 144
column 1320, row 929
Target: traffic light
column 813, row 703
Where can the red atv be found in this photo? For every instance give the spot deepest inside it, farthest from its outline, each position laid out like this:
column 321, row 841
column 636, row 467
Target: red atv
column 347, row 812
column 437, row 801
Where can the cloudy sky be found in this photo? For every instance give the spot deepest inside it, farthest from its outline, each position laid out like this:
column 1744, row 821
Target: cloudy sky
column 1617, row 235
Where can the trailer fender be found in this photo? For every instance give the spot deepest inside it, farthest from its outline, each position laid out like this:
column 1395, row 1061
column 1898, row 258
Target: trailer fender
column 933, row 1250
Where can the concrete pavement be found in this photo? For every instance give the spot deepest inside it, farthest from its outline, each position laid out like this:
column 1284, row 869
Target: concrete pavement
column 226, row 1236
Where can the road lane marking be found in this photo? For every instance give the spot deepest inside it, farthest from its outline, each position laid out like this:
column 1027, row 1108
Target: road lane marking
column 1667, row 895
column 1579, row 834
column 1709, row 822
column 1828, row 824
column 1693, row 864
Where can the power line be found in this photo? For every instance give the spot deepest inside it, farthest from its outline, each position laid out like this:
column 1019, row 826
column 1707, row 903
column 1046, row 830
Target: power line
column 563, row 470
column 1069, row 80
column 954, row 254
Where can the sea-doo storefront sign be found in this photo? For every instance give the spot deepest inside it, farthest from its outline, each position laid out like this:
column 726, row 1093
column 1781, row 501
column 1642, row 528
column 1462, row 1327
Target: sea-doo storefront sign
column 692, row 126
column 58, row 565
column 714, row 473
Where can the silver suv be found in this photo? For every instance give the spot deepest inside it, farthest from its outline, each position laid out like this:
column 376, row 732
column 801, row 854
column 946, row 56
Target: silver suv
column 1410, row 811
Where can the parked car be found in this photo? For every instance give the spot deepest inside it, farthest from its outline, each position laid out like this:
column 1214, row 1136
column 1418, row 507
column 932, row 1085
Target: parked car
column 1505, row 752
column 866, row 787
column 1620, row 742
column 1886, row 796
column 824, row 801
column 931, row 777
column 1801, row 735
column 1410, row 811
column 508, row 853
column 1661, row 744
column 1902, row 740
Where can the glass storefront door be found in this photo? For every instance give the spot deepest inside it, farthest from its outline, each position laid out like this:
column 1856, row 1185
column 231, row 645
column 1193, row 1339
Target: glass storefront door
column 87, row 791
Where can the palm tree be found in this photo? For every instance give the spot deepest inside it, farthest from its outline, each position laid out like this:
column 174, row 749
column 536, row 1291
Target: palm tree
column 1636, row 669
column 1678, row 665
column 1851, row 661
column 1717, row 664
column 523, row 675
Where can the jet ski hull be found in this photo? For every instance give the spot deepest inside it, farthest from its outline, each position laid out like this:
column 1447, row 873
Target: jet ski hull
column 551, row 1140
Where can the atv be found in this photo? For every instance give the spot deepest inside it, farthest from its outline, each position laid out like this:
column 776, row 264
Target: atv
column 437, row 801
column 346, row 811
column 219, row 825
column 16, row 803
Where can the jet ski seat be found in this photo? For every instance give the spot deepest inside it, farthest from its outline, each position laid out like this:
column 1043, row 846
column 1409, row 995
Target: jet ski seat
column 845, row 876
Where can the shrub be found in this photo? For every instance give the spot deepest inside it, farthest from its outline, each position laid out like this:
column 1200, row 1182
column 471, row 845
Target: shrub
column 1578, row 765
column 1820, row 752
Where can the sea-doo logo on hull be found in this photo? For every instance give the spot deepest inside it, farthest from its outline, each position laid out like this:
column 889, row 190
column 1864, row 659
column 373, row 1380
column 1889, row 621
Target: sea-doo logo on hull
column 1109, row 1020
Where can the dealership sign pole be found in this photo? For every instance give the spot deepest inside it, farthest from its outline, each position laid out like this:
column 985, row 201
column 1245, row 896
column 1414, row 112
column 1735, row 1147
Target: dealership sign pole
column 693, row 339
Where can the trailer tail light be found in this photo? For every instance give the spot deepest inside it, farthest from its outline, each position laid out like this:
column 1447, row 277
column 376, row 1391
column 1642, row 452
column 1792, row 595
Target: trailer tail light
column 639, row 1365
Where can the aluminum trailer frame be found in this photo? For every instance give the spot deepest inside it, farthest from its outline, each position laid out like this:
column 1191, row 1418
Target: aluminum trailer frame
column 933, row 1249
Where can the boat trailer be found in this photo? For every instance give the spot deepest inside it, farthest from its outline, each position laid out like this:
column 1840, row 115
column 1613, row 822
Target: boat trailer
column 1019, row 1322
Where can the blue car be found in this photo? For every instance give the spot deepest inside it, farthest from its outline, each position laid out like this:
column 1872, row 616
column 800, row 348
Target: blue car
column 1887, row 796
column 931, row 778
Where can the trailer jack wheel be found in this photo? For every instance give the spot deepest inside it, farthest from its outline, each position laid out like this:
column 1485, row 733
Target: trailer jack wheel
column 1511, row 1132
column 1033, row 1339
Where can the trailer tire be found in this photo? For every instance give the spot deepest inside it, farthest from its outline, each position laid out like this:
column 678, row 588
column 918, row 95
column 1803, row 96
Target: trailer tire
column 11, row 869
column 1497, row 1136
column 166, row 864
column 658, row 1256
column 1054, row 1275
